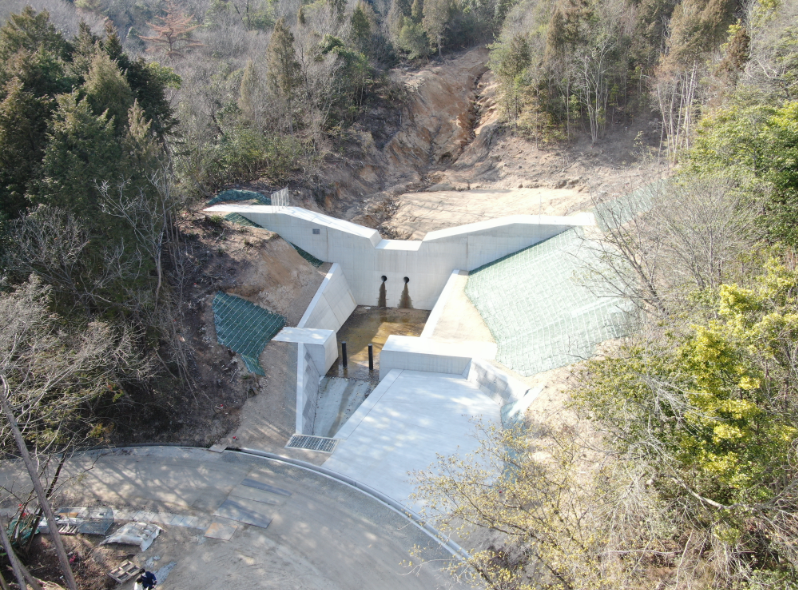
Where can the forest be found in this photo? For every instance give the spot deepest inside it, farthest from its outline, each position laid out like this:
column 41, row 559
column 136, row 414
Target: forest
column 118, row 117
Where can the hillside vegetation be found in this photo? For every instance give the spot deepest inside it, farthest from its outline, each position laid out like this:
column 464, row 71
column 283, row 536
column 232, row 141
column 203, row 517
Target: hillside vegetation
column 677, row 466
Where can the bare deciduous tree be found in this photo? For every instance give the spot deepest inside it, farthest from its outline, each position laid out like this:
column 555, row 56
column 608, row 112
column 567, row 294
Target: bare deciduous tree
column 49, row 370
column 674, row 237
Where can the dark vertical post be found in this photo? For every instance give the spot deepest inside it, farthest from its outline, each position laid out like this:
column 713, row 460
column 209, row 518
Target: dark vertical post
column 343, row 353
column 371, row 357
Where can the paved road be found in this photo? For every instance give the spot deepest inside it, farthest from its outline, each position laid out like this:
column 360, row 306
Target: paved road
column 324, row 535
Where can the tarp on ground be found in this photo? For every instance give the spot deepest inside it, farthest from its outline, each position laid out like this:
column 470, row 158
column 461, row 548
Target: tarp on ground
column 234, row 195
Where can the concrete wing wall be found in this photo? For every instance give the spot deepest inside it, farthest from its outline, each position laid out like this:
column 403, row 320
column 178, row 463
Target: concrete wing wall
column 333, row 303
column 424, row 354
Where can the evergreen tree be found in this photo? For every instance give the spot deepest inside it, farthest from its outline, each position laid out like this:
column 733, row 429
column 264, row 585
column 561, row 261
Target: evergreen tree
column 511, row 64
column 417, row 10
column 31, row 32
column 413, row 39
column 107, row 90
column 143, row 153
column 23, row 126
column 83, row 150
column 112, row 43
column 249, row 91
column 436, row 17
column 361, row 29
column 84, row 47
column 284, row 69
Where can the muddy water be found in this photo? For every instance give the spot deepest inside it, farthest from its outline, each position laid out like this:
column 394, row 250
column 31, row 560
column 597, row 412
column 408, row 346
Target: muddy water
column 373, row 325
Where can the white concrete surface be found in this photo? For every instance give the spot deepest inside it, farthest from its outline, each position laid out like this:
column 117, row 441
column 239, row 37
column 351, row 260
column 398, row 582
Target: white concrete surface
column 338, row 400
column 425, row 354
column 496, row 383
column 322, row 345
column 307, row 390
column 332, row 304
column 440, row 304
column 365, row 257
column 408, row 420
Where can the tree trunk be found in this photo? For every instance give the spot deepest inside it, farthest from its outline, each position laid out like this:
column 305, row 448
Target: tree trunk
column 44, row 504
column 12, row 557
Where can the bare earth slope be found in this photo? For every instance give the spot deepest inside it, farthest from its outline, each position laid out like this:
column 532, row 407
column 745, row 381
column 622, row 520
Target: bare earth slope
column 453, row 161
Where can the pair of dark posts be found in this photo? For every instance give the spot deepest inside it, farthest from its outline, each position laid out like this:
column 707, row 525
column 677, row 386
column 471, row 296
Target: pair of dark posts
column 371, row 356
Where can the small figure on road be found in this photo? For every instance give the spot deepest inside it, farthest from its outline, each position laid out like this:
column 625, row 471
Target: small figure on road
column 146, row 581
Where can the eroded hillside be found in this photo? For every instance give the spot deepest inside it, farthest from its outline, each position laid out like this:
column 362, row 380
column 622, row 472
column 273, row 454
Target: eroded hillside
column 452, row 160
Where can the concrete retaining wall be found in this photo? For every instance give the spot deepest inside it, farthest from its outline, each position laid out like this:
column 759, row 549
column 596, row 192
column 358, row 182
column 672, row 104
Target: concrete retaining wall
column 440, row 304
column 307, row 391
column 365, row 257
column 332, row 304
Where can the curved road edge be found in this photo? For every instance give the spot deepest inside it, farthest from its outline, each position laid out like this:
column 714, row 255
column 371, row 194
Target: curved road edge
column 445, row 542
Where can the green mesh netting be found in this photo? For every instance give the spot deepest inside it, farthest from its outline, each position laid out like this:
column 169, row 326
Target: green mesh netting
column 541, row 308
column 244, row 327
column 308, row 256
column 239, row 195
column 619, row 211
column 241, row 220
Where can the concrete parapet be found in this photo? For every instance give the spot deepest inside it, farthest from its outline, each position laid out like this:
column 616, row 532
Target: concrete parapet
column 332, row 304
column 321, row 345
column 365, row 257
column 424, row 354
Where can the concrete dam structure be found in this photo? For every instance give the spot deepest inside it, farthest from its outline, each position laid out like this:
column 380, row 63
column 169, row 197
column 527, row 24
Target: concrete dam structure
column 370, row 262
column 428, row 389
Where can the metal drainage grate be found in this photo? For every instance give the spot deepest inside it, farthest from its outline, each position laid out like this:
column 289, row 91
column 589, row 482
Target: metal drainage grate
column 312, row 443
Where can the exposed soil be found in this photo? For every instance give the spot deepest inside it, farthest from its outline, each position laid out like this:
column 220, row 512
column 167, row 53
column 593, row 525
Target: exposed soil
column 249, row 262
column 90, row 564
column 452, row 160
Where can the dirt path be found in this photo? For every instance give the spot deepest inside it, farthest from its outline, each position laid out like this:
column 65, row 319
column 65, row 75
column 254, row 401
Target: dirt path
column 420, row 213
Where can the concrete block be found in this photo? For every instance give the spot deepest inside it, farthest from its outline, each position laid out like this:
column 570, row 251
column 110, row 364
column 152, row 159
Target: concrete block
column 426, row 354
column 322, row 345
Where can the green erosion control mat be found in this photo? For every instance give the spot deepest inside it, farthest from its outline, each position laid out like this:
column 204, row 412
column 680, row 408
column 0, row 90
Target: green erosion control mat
column 244, row 327
column 241, row 220
column 308, row 256
column 239, row 195
column 540, row 308
column 617, row 212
